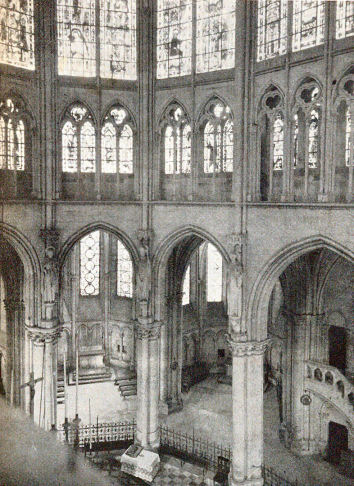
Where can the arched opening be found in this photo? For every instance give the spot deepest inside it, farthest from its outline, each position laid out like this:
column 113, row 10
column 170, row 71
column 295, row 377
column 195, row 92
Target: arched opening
column 97, row 343
column 309, row 373
column 194, row 379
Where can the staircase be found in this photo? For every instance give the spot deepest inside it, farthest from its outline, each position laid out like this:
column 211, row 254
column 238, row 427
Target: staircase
column 331, row 385
column 127, row 386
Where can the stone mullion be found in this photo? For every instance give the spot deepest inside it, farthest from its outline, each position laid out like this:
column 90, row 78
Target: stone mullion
column 163, row 362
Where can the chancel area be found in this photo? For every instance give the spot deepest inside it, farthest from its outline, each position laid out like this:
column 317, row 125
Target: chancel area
column 176, row 250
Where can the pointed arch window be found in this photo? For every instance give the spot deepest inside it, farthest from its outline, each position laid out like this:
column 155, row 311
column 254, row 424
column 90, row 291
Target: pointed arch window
column 17, row 34
column 117, row 143
column 87, row 26
column 90, row 264
column 78, row 141
column 177, row 142
column 348, row 128
column 271, row 28
column 344, row 18
column 278, row 142
column 186, row 286
column 12, row 137
column 214, row 274
column 308, row 23
column 218, row 139
column 313, row 139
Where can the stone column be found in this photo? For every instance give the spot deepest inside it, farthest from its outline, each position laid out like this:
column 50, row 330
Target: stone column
column 247, row 408
column 163, row 362
column 14, row 313
column 147, row 342
column 45, row 338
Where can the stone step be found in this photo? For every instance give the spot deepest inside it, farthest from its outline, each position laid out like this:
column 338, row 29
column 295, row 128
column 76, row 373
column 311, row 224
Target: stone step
column 129, row 393
column 127, row 387
column 128, row 381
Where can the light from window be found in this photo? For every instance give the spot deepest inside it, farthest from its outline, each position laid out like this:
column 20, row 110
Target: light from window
column 214, row 274
column 124, row 271
column 177, row 143
column 174, row 38
column 348, row 122
column 90, row 264
column 296, row 140
column 271, row 28
column 218, row 140
column 118, row 39
column 78, row 140
column 17, row 33
column 215, row 48
column 12, row 137
column 116, row 132
column 169, row 150
column 278, row 143
column 308, row 23
column 76, row 27
column 344, row 18
column 186, row 286
column 313, row 140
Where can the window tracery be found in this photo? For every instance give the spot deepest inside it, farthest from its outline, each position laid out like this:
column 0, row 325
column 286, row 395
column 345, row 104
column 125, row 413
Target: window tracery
column 271, row 28
column 78, row 141
column 308, row 23
column 81, row 28
column 344, row 18
column 17, row 34
column 117, row 142
column 218, row 138
column 12, row 136
column 90, row 264
column 177, row 141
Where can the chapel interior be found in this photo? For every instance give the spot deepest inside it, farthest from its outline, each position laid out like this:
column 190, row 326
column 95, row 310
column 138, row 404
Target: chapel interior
column 176, row 243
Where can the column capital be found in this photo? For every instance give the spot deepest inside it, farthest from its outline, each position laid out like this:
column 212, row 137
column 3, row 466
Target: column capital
column 146, row 328
column 240, row 347
column 43, row 334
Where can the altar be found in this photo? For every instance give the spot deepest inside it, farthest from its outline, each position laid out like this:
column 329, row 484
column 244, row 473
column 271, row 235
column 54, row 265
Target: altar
column 140, row 463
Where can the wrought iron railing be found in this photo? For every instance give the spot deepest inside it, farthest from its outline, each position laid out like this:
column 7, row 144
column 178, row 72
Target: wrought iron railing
column 271, row 478
column 192, row 448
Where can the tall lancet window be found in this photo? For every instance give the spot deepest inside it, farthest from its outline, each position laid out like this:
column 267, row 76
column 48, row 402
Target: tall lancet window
column 88, row 27
column 117, row 142
column 174, row 38
column 124, row 271
column 177, row 142
column 278, row 142
column 90, row 264
column 313, row 140
column 118, row 39
column 12, row 137
column 214, row 274
column 348, row 125
column 344, row 18
column 17, row 33
column 215, row 32
column 271, row 28
column 78, row 141
column 218, row 139
column 76, row 26
column 308, row 23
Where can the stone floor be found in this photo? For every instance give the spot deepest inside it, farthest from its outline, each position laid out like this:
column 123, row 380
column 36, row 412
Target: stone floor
column 207, row 410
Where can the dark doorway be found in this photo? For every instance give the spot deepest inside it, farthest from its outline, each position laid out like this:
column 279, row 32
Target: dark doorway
column 337, row 347
column 337, row 441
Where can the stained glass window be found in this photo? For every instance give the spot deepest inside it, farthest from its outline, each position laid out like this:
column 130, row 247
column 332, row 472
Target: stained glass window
column 177, row 142
column 78, row 141
column 118, row 39
column 296, row 140
column 348, row 121
column 344, row 18
column 117, row 143
column 313, row 140
column 278, row 143
column 12, row 137
column 17, row 33
column 271, row 28
column 215, row 48
column 186, row 286
column 90, row 264
column 76, row 27
column 174, row 38
column 308, row 23
column 218, row 140
column 124, row 271
column 214, row 274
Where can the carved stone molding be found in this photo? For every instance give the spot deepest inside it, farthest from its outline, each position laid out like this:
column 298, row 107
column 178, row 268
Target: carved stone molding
column 146, row 330
column 43, row 334
column 242, row 348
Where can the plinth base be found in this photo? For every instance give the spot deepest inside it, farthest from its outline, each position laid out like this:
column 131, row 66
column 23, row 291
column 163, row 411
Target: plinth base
column 247, row 482
column 142, row 464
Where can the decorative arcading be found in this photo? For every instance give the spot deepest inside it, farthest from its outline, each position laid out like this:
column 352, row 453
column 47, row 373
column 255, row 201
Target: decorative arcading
column 241, row 348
